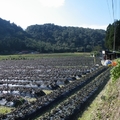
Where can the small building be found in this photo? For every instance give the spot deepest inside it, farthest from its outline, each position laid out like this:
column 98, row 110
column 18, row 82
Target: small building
column 110, row 55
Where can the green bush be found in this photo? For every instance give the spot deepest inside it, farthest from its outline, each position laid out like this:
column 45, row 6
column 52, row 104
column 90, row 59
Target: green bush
column 115, row 71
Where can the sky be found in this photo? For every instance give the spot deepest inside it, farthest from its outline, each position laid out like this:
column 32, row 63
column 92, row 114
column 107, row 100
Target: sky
column 95, row 14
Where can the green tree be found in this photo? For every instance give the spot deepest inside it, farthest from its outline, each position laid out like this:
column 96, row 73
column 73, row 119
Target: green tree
column 113, row 33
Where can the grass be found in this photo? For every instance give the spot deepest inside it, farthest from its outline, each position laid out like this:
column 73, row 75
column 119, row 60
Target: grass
column 30, row 99
column 32, row 56
column 47, row 91
column 4, row 110
column 106, row 106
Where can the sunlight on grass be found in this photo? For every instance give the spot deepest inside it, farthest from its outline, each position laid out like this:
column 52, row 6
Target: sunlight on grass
column 106, row 104
column 30, row 99
column 33, row 56
column 5, row 110
column 47, row 91
column 61, row 86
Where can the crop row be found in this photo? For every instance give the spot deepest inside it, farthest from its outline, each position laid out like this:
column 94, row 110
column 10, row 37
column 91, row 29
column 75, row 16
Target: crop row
column 27, row 110
column 27, row 78
column 68, row 108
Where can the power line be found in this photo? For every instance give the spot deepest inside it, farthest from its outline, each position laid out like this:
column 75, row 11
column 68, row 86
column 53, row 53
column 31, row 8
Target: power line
column 114, row 25
column 119, row 9
column 109, row 10
column 113, row 9
column 116, row 9
column 116, row 15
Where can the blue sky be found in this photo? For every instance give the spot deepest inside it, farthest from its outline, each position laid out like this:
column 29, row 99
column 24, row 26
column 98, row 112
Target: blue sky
column 96, row 14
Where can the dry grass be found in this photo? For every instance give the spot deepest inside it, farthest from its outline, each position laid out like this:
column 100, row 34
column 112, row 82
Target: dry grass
column 106, row 106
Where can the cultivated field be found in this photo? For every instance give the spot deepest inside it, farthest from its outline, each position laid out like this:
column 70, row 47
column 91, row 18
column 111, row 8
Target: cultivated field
column 51, row 87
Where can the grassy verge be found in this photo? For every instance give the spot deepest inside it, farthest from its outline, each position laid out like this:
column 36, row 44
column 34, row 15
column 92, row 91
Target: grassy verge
column 106, row 106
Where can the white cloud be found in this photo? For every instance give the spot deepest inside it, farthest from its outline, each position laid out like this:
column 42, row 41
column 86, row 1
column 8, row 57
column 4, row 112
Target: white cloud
column 52, row 3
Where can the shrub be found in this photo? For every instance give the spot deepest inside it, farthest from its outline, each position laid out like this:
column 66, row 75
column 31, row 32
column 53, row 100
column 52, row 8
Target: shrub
column 115, row 71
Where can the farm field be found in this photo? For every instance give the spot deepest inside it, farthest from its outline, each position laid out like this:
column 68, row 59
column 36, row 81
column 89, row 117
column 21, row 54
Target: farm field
column 34, row 56
column 48, row 87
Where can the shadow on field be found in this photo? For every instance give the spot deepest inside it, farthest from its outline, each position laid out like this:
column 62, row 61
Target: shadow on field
column 84, row 106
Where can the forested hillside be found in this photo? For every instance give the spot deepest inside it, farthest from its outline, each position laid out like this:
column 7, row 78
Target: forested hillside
column 12, row 37
column 68, row 38
column 48, row 38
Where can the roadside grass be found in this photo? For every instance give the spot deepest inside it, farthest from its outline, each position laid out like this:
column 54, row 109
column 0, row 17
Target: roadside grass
column 106, row 105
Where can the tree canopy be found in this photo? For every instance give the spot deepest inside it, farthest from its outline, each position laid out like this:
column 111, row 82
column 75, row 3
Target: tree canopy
column 67, row 38
column 49, row 38
column 113, row 35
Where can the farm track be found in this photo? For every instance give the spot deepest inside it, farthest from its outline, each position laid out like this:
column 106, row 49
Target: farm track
column 65, row 101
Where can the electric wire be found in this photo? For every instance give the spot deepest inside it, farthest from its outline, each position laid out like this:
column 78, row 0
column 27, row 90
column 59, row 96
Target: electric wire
column 113, row 9
column 119, row 10
column 109, row 10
